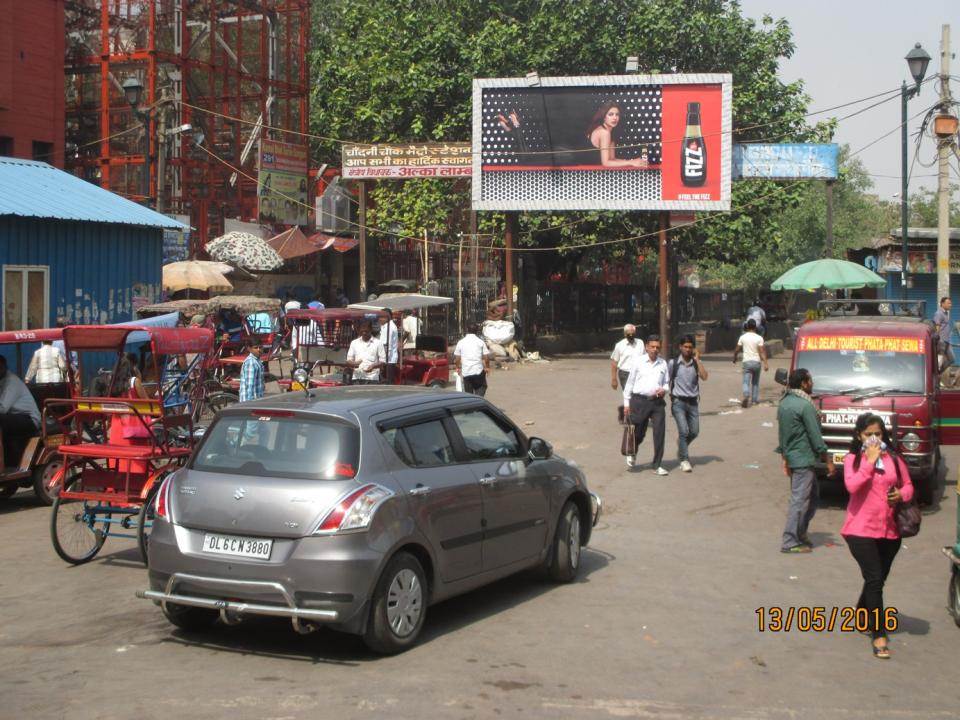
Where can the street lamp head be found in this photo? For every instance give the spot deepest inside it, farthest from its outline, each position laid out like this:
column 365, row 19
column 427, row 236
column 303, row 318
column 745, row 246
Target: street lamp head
column 917, row 60
column 133, row 90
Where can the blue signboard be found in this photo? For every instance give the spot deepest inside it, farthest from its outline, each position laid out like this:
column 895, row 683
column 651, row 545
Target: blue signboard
column 787, row 161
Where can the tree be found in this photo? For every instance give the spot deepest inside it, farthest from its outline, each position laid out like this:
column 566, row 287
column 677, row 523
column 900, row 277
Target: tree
column 402, row 70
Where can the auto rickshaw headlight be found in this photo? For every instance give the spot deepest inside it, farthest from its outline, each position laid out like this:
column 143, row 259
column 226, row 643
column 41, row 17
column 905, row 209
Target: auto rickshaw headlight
column 301, row 376
column 910, row 442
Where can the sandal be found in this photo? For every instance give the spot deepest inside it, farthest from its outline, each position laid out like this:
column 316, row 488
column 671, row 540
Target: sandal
column 881, row 653
column 797, row 549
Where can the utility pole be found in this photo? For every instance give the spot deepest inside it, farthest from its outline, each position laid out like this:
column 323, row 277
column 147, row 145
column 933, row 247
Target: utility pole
column 903, row 190
column 162, row 133
column 828, row 244
column 510, row 230
column 664, row 257
column 943, row 174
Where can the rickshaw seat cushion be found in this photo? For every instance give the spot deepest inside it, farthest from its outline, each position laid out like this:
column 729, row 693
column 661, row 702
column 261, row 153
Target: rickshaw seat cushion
column 123, row 452
column 431, row 343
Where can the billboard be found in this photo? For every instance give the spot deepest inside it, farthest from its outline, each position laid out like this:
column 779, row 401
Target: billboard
column 785, row 161
column 609, row 142
column 392, row 162
column 282, row 191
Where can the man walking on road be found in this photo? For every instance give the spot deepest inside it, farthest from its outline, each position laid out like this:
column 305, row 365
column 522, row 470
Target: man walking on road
column 754, row 355
column 941, row 319
column 643, row 402
column 801, row 445
column 685, row 373
column 623, row 355
column 472, row 358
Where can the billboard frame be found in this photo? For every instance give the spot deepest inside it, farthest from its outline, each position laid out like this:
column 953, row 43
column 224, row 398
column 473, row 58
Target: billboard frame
column 725, row 80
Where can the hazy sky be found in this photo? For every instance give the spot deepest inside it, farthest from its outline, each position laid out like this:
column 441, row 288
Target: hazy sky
column 849, row 49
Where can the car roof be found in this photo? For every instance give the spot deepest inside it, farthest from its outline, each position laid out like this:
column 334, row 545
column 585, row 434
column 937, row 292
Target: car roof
column 868, row 325
column 344, row 402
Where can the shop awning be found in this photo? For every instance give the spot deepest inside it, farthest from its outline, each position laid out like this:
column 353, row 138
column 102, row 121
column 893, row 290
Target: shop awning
column 333, row 242
column 292, row 243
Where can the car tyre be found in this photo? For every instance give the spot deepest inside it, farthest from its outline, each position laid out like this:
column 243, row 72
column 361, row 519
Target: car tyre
column 191, row 619
column 398, row 607
column 953, row 599
column 564, row 563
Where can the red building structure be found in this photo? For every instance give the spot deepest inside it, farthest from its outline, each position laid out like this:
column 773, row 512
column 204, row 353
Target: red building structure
column 227, row 68
column 31, row 80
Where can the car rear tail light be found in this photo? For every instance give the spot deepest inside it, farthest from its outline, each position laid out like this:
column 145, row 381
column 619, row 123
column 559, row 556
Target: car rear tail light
column 354, row 511
column 161, row 509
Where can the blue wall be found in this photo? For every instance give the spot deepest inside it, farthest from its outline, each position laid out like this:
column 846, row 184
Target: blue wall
column 98, row 272
column 925, row 288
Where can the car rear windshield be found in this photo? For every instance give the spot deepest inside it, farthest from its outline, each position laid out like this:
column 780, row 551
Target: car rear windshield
column 284, row 447
column 845, row 372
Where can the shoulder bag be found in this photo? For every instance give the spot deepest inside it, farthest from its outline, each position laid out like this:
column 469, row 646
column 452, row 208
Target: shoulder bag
column 906, row 514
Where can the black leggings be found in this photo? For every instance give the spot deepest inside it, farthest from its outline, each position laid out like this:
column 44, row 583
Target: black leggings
column 874, row 556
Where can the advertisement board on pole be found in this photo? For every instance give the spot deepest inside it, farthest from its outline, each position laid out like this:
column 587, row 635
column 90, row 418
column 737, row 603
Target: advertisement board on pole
column 395, row 162
column 282, row 191
column 785, row 161
column 609, row 142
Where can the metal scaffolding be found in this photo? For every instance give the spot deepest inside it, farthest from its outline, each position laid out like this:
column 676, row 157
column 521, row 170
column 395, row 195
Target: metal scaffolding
column 241, row 64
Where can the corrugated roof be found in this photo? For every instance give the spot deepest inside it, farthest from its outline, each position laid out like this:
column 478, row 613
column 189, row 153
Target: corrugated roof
column 35, row 189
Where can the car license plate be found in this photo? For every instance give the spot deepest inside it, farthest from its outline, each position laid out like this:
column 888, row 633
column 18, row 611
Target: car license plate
column 237, row 546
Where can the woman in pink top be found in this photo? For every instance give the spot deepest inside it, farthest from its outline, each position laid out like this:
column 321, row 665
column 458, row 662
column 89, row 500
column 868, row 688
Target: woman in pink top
column 877, row 480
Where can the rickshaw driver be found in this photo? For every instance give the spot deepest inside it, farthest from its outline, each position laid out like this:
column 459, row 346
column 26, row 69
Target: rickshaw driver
column 19, row 414
column 366, row 355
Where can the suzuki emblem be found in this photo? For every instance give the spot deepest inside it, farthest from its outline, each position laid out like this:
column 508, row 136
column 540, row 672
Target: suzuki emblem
column 238, row 495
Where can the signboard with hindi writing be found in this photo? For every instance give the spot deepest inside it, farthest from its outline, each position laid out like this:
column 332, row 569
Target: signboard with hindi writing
column 785, row 161
column 392, row 162
column 283, row 183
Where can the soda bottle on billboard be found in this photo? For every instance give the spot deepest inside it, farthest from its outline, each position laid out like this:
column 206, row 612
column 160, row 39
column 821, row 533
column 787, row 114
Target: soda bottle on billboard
column 693, row 158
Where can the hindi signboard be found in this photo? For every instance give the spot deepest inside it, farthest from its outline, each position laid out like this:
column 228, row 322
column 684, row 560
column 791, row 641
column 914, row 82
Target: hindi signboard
column 394, row 162
column 785, row 161
column 283, row 183
column 610, row 142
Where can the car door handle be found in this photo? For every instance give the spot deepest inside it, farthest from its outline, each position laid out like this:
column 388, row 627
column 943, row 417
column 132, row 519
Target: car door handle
column 488, row 480
column 420, row 490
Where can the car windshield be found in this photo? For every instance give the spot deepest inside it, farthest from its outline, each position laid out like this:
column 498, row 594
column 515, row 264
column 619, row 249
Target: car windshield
column 283, row 447
column 849, row 372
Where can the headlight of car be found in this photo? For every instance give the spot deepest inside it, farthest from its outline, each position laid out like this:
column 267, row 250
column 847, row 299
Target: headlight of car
column 910, row 442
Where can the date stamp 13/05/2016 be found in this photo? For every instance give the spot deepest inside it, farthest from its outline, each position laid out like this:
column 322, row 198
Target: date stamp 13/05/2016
column 825, row 619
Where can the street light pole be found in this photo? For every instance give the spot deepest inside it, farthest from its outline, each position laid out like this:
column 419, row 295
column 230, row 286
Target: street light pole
column 903, row 189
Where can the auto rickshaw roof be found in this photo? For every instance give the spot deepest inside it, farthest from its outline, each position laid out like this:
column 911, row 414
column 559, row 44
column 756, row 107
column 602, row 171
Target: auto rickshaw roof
column 13, row 337
column 184, row 307
column 244, row 304
column 348, row 313
column 398, row 302
column 164, row 341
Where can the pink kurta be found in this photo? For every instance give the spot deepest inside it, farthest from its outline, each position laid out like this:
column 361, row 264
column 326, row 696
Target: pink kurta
column 868, row 514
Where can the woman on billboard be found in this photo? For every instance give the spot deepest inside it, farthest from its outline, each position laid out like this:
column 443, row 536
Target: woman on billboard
column 601, row 131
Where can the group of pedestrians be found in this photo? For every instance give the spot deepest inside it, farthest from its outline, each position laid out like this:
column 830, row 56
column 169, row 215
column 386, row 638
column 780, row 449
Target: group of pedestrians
column 646, row 380
column 875, row 476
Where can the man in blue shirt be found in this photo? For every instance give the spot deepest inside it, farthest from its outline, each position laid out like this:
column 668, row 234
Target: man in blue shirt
column 251, row 375
column 941, row 319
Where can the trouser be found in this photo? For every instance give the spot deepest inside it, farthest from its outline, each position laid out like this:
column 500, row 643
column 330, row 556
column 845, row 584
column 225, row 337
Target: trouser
column 476, row 384
column 644, row 411
column 389, row 374
column 751, row 380
column 686, row 413
column 622, row 376
column 804, row 495
column 874, row 556
column 16, row 428
column 946, row 357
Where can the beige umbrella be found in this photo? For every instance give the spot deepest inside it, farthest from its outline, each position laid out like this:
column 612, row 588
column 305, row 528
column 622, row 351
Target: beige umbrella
column 196, row 275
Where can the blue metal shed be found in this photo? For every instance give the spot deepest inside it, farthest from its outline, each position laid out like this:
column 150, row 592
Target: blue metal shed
column 71, row 251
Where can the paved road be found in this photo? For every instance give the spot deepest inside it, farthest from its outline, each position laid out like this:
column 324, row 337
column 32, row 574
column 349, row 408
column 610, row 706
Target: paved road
column 661, row 624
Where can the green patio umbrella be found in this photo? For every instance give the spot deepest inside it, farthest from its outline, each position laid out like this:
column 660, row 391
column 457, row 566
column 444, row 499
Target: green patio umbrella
column 830, row 274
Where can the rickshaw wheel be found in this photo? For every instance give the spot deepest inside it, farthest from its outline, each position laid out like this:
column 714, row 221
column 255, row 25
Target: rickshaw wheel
column 953, row 601
column 75, row 539
column 145, row 515
column 220, row 400
column 42, row 476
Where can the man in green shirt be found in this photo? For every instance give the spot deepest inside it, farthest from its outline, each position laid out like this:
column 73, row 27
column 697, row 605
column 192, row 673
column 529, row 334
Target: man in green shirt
column 801, row 445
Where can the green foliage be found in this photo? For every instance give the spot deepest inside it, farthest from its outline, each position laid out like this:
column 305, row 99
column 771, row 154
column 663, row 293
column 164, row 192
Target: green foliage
column 402, row 70
column 924, row 208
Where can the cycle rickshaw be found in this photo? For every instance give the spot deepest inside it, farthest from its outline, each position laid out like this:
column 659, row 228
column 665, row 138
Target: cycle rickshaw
column 120, row 444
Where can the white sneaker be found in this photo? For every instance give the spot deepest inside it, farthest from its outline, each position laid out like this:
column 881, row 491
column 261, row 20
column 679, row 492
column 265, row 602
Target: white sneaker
column 661, row 471
column 686, row 466
column 631, row 460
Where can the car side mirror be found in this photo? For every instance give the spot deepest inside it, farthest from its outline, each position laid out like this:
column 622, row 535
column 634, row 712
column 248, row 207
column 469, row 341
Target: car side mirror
column 780, row 377
column 539, row 449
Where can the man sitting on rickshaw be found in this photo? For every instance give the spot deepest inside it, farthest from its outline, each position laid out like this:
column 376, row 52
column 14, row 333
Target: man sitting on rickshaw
column 19, row 414
column 366, row 355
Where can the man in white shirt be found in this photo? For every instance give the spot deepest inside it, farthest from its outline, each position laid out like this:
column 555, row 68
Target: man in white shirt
column 473, row 361
column 47, row 365
column 411, row 326
column 643, row 402
column 390, row 337
column 291, row 303
column 754, row 355
column 623, row 355
column 366, row 356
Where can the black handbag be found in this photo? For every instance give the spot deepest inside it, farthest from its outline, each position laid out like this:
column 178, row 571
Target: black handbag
column 628, row 444
column 906, row 514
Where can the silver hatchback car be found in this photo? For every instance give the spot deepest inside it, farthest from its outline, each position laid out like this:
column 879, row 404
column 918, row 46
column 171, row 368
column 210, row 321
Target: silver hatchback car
column 358, row 507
